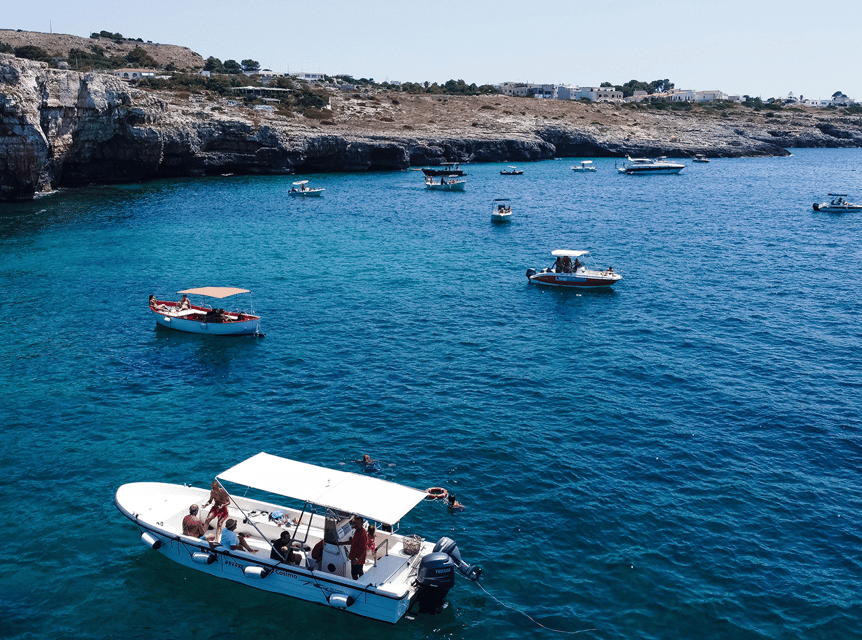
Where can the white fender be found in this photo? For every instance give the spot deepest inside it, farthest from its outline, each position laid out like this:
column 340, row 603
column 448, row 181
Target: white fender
column 204, row 558
column 150, row 540
column 258, row 573
column 340, row 600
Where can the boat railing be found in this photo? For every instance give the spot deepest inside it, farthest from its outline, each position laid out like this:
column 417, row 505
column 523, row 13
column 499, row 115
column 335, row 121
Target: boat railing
column 377, row 550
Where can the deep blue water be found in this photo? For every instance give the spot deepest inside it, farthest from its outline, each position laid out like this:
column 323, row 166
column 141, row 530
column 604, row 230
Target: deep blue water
column 678, row 458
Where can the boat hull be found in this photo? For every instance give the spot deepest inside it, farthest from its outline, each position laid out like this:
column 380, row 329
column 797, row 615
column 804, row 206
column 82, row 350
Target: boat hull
column 454, row 186
column 575, row 280
column 246, row 327
column 308, row 193
column 647, row 170
column 319, row 587
column 496, row 217
column 837, row 208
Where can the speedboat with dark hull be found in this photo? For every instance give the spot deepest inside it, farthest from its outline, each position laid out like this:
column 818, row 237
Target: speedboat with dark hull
column 565, row 273
column 448, row 169
column 400, row 571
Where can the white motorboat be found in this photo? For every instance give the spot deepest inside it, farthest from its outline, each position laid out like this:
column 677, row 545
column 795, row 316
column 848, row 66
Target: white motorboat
column 501, row 210
column 301, row 188
column 837, row 205
column 575, row 275
column 446, row 183
column 400, row 571
column 586, row 165
column 650, row 166
column 512, row 171
column 203, row 317
column 700, row 158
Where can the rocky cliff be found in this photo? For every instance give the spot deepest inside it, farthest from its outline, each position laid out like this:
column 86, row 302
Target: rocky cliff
column 63, row 129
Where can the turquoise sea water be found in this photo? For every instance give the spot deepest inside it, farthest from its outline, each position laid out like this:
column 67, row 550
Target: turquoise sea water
column 678, row 458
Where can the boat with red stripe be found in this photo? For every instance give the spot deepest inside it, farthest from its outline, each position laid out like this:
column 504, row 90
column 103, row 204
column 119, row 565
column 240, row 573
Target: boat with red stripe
column 569, row 271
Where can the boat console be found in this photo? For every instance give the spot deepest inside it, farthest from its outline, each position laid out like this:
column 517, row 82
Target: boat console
column 335, row 530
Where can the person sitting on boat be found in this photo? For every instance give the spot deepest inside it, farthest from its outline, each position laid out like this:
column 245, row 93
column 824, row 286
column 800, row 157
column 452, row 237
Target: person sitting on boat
column 282, row 549
column 316, row 555
column 358, row 548
column 234, row 541
column 154, row 304
column 577, row 265
column 220, row 500
column 192, row 525
column 567, row 264
column 184, row 303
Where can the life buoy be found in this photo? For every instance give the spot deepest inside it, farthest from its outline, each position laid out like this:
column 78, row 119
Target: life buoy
column 437, row 492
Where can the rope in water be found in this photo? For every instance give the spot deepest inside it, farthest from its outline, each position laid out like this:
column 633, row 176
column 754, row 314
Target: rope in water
column 533, row 620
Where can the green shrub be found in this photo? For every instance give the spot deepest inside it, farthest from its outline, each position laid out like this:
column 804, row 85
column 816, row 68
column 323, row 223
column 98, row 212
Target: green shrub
column 32, row 52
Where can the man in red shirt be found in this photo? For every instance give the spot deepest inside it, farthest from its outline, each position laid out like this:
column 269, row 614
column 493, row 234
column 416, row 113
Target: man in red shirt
column 192, row 525
column 358, row 548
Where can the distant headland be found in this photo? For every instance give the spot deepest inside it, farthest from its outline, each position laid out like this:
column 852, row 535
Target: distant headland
column 61, row 127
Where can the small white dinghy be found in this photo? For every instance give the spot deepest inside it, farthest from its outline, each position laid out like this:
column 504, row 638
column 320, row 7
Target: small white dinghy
column 204, row 318
column 300, row 188
column 400, row 571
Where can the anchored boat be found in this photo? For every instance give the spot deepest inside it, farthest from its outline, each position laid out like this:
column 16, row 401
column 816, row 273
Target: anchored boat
column 446, row 169
column 512, row 171
column 650, row 166
column 501, row 210
column 400, row 571
column 586, row 165
column 301, row 188
column 575, row 275
column 837, row 205
column 203, row 317
column 446, row 183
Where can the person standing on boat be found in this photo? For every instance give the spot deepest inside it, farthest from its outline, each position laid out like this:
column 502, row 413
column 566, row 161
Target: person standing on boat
column 220, row 500
column 358, row 548
column 192, row 525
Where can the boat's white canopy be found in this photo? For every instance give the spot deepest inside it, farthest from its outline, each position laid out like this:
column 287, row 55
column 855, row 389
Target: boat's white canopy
column 215, row 292
column 362, row 495
column 301, row 182
column 586, row 162
column 569, row 252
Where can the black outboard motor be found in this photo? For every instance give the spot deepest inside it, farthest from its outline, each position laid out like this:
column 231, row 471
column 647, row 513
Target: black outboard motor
column 436, row 576
column 448, row 546
column 530, row 273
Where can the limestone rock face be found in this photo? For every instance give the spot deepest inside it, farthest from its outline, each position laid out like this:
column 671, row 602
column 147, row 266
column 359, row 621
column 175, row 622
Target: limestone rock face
column 61, row 128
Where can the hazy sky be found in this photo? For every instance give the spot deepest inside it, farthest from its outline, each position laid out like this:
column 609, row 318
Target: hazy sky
column 761, row 48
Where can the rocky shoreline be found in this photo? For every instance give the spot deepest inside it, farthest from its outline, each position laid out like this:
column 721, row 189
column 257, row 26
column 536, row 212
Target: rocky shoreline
column 61, row 128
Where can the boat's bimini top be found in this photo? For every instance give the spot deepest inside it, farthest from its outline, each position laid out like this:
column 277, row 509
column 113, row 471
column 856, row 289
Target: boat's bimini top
column 301, row 182
column 215, row 292
column 569, row 252
column 362, row 495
